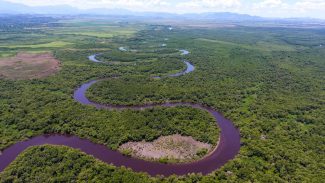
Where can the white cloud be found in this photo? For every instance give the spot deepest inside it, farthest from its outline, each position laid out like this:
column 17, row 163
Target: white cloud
column 208, row 5
column 311, row 5
column 211, row 3
column 95, row 3
column 282, row 8
column 130, row 4
column 269, row 4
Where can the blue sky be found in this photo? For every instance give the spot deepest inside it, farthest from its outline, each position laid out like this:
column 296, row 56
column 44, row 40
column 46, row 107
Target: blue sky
column 266, row 8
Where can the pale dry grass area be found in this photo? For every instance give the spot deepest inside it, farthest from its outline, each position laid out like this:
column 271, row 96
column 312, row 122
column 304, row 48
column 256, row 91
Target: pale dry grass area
column 175, row 148
column 28, row 66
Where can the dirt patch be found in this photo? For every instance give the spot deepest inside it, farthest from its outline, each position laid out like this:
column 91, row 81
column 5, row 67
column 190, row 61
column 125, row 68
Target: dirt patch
column 28, row 66
column 173, row 148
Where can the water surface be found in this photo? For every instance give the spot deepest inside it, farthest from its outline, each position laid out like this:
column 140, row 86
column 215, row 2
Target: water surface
column 227, row 149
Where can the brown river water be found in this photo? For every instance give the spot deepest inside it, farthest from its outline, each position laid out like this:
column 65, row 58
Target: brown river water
column 227, row 149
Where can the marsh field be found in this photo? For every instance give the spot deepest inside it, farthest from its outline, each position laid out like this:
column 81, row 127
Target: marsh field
column 269, row 81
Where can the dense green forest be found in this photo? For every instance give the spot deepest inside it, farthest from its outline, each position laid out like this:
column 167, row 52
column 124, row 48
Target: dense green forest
column 269, row 81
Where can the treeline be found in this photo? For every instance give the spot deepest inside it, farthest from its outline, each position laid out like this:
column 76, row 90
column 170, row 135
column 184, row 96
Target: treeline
column 63, row 164
column 21, row 22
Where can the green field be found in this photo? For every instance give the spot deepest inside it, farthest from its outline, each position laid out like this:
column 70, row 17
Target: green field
column 268, row 81
column 261, row 45
column 55, row 44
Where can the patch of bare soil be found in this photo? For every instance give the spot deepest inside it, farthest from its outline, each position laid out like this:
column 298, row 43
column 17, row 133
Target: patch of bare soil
column 28, row 66
column 173, row 148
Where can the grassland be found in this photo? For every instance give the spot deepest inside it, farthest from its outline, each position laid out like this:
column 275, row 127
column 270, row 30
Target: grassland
column 167, row 149
column 260, row 46
column 100, row 32
column 55, row 44
column 28, row 66
column 95, row 28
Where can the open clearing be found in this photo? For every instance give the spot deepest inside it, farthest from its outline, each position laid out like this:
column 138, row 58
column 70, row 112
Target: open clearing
column 54, row 44
column 167, row 148
column 28, row 66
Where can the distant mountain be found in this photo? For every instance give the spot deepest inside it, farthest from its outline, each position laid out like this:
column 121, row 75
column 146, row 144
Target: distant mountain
column 12, row 8
column 226, row 16
column 15, row 8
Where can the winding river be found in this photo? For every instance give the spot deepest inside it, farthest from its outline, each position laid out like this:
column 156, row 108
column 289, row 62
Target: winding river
column 227, row 149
